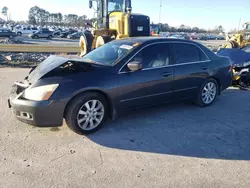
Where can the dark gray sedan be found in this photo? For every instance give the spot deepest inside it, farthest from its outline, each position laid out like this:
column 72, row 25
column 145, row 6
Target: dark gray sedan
column 75, row 35
column 7, row 33
column 116, row 77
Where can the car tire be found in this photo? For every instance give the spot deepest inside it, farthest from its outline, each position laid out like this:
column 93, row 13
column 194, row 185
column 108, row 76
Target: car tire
column 19, row 33
column 35, row 37
column 208, row 93
column 49, row 37
column 83, row 120
column 11, row 36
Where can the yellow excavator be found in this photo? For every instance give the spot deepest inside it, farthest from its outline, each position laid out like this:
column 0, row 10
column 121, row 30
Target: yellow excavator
column 239, row 40
column 114, row 21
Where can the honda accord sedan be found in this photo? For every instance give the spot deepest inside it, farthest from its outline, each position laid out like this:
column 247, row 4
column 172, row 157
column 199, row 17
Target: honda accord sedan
column 119, row 76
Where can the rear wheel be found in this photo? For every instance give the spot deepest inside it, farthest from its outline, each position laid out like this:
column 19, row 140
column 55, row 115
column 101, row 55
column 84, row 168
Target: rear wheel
column 86, row 113
column 49, row 37
column 36, row 37
column 208, row 93
column 19, row 33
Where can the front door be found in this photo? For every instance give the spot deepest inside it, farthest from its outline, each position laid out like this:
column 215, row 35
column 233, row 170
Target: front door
column 190, row 65
column 150, row 85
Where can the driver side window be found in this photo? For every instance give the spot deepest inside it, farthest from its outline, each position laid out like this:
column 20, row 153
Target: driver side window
column 153, row 56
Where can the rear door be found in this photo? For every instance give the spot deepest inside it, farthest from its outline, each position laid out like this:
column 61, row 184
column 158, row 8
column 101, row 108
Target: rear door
column 152, row 84
column 43, row 34
column 5, row 33
column 190, row 69
column 24, row 31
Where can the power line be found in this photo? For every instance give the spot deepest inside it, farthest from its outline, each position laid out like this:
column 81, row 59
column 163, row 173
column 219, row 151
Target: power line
column 160, row 11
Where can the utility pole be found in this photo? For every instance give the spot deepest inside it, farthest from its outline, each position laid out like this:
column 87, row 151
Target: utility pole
column 160, row 11
column 239, row 25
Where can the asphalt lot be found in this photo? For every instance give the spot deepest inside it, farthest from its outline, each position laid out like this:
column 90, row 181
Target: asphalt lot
column 177, row 145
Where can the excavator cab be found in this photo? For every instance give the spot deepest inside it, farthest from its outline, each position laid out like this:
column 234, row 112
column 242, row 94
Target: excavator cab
column 115, row 20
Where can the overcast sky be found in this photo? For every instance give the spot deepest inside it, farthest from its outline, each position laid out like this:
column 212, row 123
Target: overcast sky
column 174, row 12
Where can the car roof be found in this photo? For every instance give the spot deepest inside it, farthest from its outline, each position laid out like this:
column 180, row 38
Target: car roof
column 155, row 39
column 150, row 40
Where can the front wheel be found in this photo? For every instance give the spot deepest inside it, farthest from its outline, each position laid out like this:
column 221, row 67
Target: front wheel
column 208, row 93
column 49, row 37
column 86, row 113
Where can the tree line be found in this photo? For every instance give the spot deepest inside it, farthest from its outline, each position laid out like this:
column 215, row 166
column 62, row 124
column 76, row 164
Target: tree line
column 40, row 16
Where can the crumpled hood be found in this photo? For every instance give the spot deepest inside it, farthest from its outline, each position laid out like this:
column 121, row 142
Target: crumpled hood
column 49, row 64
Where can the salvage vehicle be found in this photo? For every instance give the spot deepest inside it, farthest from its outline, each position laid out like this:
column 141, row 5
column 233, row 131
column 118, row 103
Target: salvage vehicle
column 75, row 35
column 241, row 66
column 7, row 33
column 42, row 34
column 26, row 30
column 119, row 76
column 64, row 34
column 115, row 20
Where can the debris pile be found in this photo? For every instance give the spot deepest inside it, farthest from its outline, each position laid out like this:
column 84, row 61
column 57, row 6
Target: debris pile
column 12, row 41
column 22, row 59
column 27, row 57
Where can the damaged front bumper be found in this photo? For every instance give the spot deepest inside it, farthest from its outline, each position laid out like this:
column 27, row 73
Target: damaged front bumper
column 47, row 113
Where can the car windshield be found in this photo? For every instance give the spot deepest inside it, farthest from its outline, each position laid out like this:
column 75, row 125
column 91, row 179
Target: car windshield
column 110, row 53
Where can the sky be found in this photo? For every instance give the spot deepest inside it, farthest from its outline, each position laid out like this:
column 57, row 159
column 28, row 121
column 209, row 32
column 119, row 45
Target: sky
column 200, row 13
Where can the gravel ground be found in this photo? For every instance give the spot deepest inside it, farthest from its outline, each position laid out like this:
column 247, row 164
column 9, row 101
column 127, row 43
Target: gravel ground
column 178, row 145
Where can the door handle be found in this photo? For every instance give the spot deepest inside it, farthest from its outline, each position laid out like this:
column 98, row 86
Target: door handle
column 205, row 67
column 166, row 74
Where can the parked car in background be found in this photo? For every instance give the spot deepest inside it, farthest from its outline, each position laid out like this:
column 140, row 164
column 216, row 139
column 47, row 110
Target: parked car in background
column 26, row 30
column 176, row 37
column 202, row 37
column 7, row 33
column 64, row 34
column 132, row 73
column 193, row 37
column 211, row 37
column 75, row 35
column 42, row 34
column 57, row 33
column 220, row 37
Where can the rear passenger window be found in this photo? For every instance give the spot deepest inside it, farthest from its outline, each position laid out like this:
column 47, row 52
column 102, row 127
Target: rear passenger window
column 187, row 53
column 203, row 56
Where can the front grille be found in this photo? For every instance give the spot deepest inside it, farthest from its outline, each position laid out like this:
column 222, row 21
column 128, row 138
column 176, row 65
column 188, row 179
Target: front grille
column 19, row 87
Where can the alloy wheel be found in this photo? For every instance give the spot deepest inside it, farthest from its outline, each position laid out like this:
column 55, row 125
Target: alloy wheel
column 90, row 115
column 209, row 93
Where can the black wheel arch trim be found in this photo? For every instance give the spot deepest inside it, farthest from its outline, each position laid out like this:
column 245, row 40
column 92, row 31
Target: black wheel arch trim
column 111, row 107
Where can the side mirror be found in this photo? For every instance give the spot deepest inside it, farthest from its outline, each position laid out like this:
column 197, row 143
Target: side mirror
column 134, row 66
column 90, row 4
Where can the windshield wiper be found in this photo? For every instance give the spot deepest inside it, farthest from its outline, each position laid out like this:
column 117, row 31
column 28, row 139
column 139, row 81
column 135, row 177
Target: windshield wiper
column 95, row 62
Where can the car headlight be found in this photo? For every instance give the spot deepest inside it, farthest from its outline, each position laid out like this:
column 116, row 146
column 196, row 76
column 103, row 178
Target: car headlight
column 40, row 93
